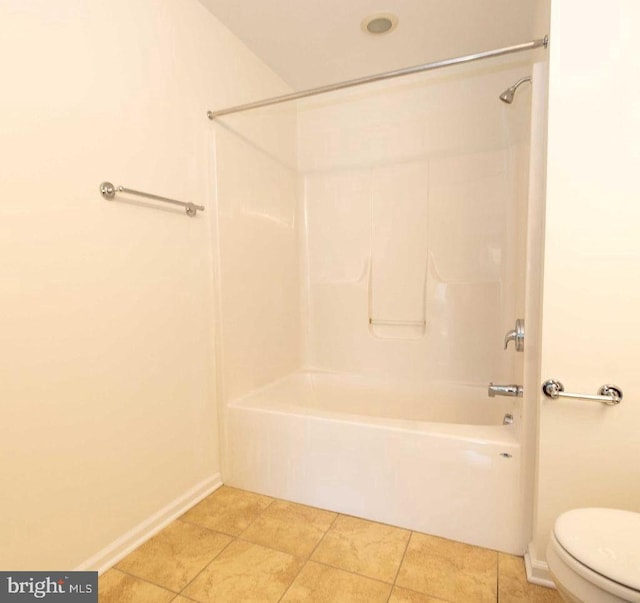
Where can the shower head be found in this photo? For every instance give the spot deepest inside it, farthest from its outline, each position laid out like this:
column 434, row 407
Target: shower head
column 509, row 93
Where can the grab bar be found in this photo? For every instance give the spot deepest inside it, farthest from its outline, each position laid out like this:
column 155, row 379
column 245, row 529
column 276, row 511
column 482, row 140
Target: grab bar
column 607, row 394
column 108, row 191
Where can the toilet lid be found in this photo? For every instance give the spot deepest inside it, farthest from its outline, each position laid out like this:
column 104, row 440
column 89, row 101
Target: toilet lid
column 607, row 541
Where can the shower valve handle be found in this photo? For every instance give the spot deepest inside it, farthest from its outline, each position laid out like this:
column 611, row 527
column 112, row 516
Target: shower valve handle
column 516, row 335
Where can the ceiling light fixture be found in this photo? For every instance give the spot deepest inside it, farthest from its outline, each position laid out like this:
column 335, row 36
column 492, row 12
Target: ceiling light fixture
column 380, row 23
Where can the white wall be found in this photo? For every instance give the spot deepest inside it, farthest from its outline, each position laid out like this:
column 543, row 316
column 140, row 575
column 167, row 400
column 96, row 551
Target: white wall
column 433, row 166
column 106, row 361
column 588, row 453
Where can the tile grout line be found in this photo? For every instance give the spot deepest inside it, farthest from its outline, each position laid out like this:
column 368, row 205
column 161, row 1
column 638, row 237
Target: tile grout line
column 236, row 538
column 350, row 572
column 323, row 536
column 404, row 554
column 308, row 557
column 341, row 569
column 286, row 590
column 233, row 538
column 179, row 592
column 205, row 567
column 346, row 571
column 242, row 538
column 185, row 597
column 199, row 525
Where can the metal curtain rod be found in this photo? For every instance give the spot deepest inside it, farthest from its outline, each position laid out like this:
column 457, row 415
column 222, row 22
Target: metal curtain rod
column 108, row 191
column 382, row 76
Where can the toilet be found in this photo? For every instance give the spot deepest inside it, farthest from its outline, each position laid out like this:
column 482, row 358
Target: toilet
column 594, row 555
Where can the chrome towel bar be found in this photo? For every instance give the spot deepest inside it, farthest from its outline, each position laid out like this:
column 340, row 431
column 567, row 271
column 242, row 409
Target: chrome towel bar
column 108, row 191
column 611, row 395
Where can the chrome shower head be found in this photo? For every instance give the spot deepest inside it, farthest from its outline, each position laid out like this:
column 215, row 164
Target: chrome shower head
column 509, row 93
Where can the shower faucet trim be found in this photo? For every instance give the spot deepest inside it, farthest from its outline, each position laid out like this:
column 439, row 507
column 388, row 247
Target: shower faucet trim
column 516, row 335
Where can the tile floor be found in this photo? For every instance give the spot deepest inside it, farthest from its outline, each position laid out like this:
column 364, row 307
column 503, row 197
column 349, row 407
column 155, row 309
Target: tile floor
column 239, row 546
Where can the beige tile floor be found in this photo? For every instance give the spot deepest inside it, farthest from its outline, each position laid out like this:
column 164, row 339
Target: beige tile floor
column 237, row 546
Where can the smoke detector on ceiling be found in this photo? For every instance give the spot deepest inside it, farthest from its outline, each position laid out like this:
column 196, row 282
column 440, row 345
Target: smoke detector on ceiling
column 380, row 23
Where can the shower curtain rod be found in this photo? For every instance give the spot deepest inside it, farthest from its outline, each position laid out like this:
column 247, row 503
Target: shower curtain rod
column 381, row 76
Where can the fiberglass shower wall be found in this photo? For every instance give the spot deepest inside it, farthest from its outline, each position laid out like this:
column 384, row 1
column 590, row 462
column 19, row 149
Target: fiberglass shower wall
column 414, row 204
column 256, row 254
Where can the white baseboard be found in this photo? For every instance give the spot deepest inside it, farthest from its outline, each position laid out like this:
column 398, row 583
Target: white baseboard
column 537, row 571
column 121, row 547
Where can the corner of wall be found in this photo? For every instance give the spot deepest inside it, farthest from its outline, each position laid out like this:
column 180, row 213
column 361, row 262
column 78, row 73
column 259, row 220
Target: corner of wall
column 136, row 536
column 537, row 570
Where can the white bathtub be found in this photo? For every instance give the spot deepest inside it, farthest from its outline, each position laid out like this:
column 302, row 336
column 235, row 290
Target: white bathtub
column 437, row 461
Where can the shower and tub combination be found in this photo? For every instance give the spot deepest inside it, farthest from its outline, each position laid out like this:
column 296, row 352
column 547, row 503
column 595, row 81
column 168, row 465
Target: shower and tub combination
column 370, row 265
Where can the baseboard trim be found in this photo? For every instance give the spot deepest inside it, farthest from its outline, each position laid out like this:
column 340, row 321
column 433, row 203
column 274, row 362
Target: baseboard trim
column 537, row 571
column 121, row 547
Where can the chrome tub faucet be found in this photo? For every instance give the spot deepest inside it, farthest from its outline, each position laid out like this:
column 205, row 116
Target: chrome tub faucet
column 514, row 391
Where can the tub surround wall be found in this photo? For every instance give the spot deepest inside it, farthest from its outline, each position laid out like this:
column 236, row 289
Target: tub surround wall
column 257, row 257
column 410, row 197
column 423, row 178
column 107, row 368
column 256, row 195
column 534, row 265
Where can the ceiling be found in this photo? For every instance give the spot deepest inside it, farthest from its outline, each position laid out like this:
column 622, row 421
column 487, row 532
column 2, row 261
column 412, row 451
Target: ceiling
column 315, row 42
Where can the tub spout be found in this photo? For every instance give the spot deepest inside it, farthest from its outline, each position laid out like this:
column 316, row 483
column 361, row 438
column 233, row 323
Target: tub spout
column 505, row 390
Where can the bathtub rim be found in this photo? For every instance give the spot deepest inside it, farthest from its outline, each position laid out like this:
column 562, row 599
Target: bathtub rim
column 505, row 435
